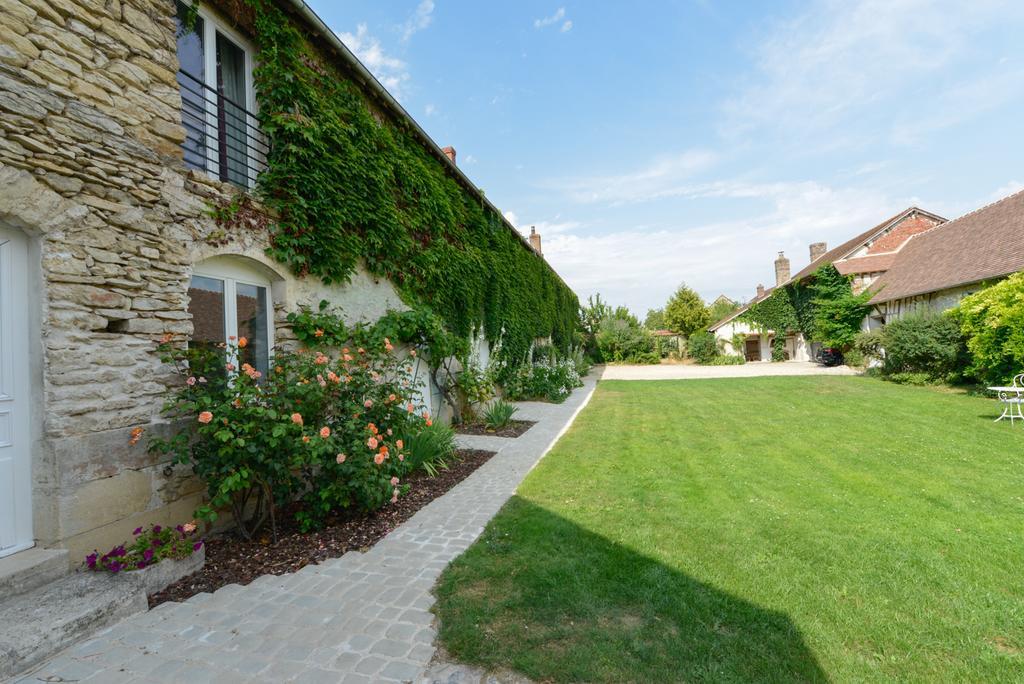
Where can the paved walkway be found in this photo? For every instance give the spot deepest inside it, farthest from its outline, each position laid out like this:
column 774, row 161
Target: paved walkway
column 359, row 618
column 681, row 371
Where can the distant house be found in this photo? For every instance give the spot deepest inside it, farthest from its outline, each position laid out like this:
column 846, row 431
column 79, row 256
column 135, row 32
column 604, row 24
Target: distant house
column 866, row 257
column 938, row 268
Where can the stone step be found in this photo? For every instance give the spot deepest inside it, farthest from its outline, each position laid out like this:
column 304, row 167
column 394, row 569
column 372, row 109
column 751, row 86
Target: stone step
column 26, row 570
column 36, row 624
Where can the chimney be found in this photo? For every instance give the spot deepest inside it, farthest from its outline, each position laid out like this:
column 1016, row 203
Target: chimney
column 760, row 291
column 535, row 240
column 450, row 151
column 781, row 269
column 818, row 249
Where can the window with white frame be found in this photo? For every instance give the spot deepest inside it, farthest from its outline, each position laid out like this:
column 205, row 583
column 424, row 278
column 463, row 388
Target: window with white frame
column 218, row 99
column 229, row 300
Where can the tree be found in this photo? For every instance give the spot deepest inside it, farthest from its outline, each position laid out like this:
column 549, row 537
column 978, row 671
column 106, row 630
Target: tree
column 655, row 319
column 686, row 313
column 722, row 307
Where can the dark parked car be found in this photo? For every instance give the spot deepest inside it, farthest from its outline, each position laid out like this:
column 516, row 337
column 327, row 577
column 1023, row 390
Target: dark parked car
column 830, row 356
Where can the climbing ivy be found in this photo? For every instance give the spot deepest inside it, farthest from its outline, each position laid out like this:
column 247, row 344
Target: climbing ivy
column 348, row 184
column 823, row 307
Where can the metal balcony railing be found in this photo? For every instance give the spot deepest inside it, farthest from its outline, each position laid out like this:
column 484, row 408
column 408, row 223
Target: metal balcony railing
column 221, row 136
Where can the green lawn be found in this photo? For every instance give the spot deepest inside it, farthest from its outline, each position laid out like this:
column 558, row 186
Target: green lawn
column 756, row 529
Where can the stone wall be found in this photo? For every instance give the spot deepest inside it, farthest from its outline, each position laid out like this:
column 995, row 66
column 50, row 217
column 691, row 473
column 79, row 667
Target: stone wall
column 91, row 170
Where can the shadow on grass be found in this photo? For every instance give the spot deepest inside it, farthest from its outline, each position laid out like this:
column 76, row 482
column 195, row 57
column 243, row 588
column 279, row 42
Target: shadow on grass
column 540, row 595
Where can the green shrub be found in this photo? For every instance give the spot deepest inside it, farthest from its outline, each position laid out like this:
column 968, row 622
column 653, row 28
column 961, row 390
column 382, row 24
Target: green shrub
column 499, row 414
column 868, row 344
column 550, row 380
column 727, row 360
column 911, row 378
column 476, row 388
column 430, row 448
column 622, row 340
column 932, row 345
column 702, row 347
column 854, row 359
column 992, row 322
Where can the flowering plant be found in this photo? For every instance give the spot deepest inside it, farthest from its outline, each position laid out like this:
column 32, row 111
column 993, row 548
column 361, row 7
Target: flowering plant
column 149, row 546
column 550, row 377
column 321, row 428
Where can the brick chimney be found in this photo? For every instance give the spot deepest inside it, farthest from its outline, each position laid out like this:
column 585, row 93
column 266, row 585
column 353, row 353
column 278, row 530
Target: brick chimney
column 535, row 240
column 760, row 291
column 818, row 249
column 781, row 269
column 450, row 151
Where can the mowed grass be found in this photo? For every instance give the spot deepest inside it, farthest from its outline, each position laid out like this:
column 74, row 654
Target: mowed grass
column 761, row 529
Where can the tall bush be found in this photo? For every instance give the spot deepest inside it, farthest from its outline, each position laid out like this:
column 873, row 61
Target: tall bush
column 323, row 429
column 992, row 322
column 928, row 344
column 702, row 347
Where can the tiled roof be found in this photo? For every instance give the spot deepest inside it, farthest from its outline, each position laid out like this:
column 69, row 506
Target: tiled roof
column 986, row 243
column 865, row 264
column 853, row 243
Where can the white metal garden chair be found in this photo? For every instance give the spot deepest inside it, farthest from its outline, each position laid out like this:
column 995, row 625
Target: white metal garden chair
column 1012, row 399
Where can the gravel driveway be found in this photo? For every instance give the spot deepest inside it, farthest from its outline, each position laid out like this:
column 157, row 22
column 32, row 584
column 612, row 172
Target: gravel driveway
column 747, row 370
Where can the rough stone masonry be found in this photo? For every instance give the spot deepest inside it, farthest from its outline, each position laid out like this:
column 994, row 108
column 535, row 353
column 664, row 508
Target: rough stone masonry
column 92, row 172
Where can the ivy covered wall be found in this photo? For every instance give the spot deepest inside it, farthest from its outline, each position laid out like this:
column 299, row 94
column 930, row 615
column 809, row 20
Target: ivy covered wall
column 348, row 183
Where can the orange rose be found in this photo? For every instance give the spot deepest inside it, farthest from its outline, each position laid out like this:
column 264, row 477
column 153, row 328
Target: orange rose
column 325, row 432
column 297, row 418
column 242, row 342
column 205, row 417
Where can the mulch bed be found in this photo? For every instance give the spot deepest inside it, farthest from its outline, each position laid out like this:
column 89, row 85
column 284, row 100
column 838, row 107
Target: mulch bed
column 513, row 429
column 233, row 560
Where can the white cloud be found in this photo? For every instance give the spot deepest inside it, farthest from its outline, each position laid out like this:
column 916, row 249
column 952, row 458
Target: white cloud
column 1006, row 190
column 842, row 61
column 390, row 71
column 566, row 27
column 554, row 18
column 420, row 19
column 430, row 109
column 470, row 159
column 664, row 177
column 641, row 266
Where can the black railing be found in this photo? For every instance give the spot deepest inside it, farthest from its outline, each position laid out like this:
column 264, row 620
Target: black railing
column 221, row 136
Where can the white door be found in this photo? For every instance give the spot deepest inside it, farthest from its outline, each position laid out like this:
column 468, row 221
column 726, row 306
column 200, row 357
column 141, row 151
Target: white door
column 15, row 462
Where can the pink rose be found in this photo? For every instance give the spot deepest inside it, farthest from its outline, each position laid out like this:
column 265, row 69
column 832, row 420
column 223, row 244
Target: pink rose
column 297, row 418
column 340, row 458
column 325, row 432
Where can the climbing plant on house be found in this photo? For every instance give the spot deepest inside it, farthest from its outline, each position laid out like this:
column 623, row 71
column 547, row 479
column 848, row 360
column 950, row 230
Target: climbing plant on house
column 823, row 307
column 348, row 184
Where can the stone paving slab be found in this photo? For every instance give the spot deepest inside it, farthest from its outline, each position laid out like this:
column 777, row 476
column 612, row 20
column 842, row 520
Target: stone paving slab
column 359, row 618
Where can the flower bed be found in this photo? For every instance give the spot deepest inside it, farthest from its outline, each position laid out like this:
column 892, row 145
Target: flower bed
column 513, row 429
column 231, row 559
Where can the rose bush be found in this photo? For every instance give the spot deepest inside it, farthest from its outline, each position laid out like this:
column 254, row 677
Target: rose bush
column 323, row 428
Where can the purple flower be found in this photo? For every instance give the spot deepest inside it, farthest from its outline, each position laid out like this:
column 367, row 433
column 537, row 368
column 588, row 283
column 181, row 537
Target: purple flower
column 115, row 567
column 137, row 531
column 156, row 529
column 179, row 528
column 140, row 565
column 90, row 560
column 198, row 545
column 147, row 555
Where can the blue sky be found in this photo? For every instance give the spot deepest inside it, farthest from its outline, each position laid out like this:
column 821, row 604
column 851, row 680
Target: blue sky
column 653, row 143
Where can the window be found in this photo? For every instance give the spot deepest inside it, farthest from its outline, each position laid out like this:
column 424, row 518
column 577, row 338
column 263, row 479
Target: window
column 217, row 100
column 229, row 300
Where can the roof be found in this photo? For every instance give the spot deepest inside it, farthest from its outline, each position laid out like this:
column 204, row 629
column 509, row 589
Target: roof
column 664, row 333
column 838, row 253
column 853, row 243
column 866, row 264
column 984, row 244
column 388, row 101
